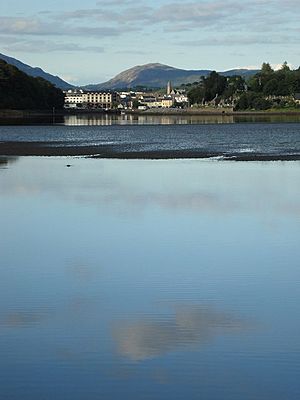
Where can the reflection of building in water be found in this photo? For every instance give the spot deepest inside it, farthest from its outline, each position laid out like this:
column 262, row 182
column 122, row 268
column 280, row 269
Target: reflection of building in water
column 89, row 120
column 5, row 160
column 143, row 119
column 184, row 119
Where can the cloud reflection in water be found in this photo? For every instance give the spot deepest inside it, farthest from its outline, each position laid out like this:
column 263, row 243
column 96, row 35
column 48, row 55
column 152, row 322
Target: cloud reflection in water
column 189, row 326
column 22, row 319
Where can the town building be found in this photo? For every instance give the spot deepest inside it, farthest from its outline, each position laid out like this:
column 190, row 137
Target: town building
column 124, row 100
column 156, row 101
column 73, row 98
column 178, row 96
column 105, row 100
column 297, row 98
column 86, row 100
column 167, row 102
column 169, row 88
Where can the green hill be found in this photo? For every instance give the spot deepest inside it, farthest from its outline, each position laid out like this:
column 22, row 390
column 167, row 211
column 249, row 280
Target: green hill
column 19, row 91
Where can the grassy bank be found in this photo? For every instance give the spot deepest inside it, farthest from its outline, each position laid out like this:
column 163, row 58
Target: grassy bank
column 215, row 111
column 28, row 114
column 6, row 114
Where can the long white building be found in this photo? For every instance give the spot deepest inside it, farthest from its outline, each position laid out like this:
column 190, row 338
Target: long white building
column 83, row 99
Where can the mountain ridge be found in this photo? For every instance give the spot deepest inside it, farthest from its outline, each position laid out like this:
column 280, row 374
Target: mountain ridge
column 36, row 72
column 157, row 75
column 151, row 75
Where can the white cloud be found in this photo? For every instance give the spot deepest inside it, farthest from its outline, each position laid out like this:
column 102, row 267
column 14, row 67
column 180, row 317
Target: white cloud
column 278, row 66
column 207, row 16
column 242, row 40
column 43, row 46
column 37, row 27
column 163, row 28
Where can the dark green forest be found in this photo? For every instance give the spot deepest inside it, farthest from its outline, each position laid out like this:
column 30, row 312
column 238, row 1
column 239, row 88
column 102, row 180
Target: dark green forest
column 19, row 91
column 267, row 89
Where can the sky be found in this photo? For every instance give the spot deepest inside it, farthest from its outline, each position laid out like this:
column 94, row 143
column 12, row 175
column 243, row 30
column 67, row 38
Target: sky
column 91, row 41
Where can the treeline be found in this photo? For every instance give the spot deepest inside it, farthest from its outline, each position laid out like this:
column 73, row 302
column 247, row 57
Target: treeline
column 267, row 89
column 19, row 91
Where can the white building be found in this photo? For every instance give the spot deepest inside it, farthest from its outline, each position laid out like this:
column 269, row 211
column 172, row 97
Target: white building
column 180, row 98
column 83, row 99
column 151, row 101
column 73, row 98
column 103, row 100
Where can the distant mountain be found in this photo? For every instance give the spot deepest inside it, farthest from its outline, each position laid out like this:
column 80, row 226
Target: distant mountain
column 36, row 72
column 245, row 73
column 158, row 75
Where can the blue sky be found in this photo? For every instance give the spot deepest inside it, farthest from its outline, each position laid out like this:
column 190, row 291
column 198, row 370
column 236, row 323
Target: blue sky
column 90, row 41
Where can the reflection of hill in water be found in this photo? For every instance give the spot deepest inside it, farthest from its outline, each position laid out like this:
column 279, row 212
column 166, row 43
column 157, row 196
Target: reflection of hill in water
column 4, row 161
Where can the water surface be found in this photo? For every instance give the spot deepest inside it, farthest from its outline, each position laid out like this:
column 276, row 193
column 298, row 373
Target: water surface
column 240, row 141
column 149, row 279
column 103, row 119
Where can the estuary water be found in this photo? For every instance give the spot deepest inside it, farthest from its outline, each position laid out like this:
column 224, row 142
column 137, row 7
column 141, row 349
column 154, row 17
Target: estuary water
column 143, row 279
column 232, row 141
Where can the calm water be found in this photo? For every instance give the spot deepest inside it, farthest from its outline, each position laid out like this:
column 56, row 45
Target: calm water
column 237, row 140
column 149, row 279
column 144, row 119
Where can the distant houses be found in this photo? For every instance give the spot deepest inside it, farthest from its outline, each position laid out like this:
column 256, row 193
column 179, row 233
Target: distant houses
column 124, row 100
column 155, row 102
column 78, row 99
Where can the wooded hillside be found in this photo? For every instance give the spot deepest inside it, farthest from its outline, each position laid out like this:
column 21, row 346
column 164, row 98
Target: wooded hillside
column 19, row 91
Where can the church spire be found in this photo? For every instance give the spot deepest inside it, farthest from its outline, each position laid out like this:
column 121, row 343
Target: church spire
column 169, row 88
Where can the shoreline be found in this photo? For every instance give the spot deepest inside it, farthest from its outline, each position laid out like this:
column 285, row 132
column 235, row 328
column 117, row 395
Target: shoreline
column 190, row 112
column 27, row 114
column 24, row 114
column 46, row 149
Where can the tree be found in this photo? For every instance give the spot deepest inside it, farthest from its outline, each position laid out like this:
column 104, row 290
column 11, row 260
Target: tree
column 255, row 93
column 135, row 104
column 266, row 69
column 285, row 67
column 234, row 86
column 214, row 85
column 252, row 101
column 209, row 88
column 20, row 91
column 271, row 87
